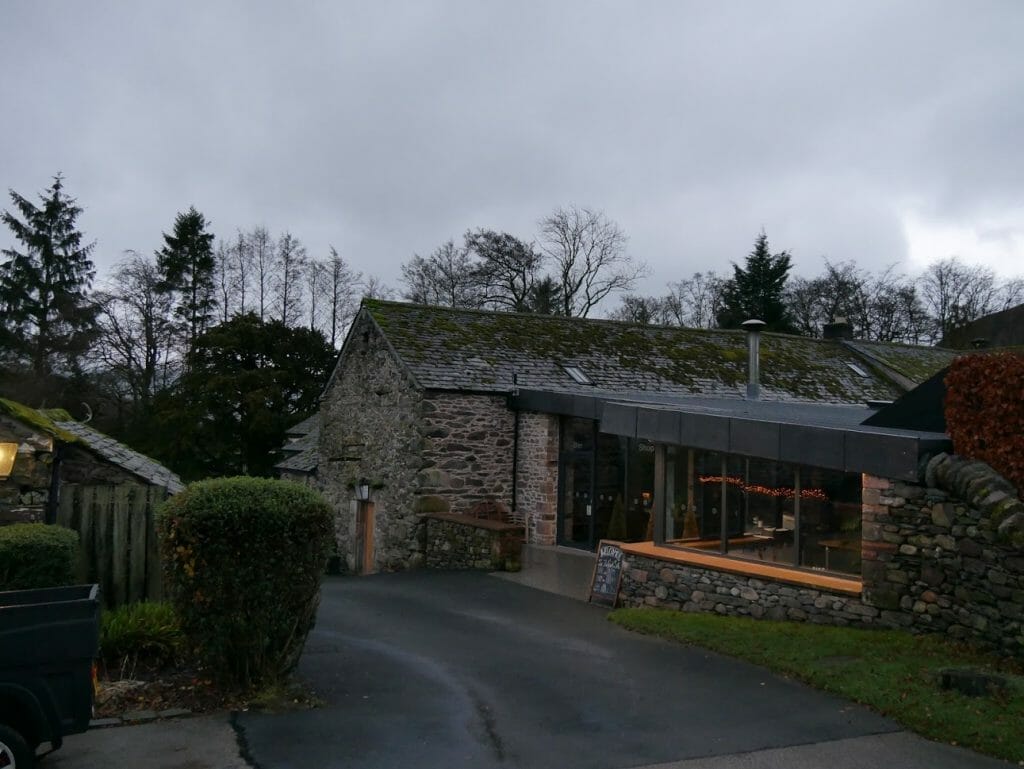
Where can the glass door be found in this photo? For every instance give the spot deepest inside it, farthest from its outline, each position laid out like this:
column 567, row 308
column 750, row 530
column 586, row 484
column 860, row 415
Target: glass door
column 577, row 503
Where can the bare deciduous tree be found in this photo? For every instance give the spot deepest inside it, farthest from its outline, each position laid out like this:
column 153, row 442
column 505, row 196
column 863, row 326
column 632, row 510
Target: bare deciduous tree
column 588, row 251
column 375, row 288
column 242, row 253
column 138, row 333
column 289, row 264
column 261, row 251
column 340, row 292
column 956, row 293
column 508, row 269
column 448, row 277
column 225, row 279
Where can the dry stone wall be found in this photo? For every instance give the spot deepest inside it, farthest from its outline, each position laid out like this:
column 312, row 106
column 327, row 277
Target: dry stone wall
column 464, row 542
column 537, row 468
column 947, row 555
column 650, row 582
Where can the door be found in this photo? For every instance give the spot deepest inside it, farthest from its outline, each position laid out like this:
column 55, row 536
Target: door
column 576, row 506
column 363, row 545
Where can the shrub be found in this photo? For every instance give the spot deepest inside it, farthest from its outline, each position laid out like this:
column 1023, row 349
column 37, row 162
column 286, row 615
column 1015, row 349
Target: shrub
column 34, row 555
column 985, row 411
column 147, row 630
column 243, row 558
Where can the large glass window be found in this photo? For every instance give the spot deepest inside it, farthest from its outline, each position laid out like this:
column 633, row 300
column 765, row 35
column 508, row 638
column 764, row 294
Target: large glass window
column 606, row 486
column 761, row 510
column 830, row 520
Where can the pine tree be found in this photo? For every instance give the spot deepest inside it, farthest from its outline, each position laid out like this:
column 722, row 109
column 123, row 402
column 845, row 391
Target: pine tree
column 45, row 313
column 187, row 264
column 756, row 290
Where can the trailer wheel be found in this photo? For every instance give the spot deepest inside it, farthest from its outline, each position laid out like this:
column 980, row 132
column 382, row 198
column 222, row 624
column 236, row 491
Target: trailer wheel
column 14, row 751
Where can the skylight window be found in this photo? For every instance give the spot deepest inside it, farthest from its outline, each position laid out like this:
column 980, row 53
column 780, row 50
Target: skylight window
column 858, row 370
column 577, row 375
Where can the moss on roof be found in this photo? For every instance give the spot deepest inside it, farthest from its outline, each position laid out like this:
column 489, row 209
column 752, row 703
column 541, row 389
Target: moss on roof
column 39, row 420
column 915, row 363
column 454, row 348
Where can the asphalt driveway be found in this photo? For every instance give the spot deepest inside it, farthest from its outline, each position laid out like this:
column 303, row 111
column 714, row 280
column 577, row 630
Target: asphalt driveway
column 461, row 669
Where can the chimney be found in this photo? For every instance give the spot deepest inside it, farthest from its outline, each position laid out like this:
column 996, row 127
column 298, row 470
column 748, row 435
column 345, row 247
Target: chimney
column 753, row 329
column 837, row 329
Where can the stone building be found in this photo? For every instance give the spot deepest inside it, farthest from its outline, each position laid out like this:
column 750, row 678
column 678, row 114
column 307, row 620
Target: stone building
column 51, row 450
column 566, row 426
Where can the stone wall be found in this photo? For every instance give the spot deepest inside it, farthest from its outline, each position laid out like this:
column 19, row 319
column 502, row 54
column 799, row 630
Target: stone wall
column 537, row 468
column 464, row 542
column 467, row 455
column 24, row 495
column 650, row 582
column 422, row 451
column 371, row 428
column 947, row 555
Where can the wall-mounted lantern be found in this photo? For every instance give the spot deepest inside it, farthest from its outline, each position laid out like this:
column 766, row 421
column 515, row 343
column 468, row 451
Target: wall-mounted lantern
column 363, row 490
column 8, row 451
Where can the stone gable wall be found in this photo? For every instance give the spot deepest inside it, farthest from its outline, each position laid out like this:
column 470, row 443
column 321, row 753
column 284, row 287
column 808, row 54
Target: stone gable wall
column 467, row 455
column 371, row 420
column 947, row 555
column 537, row 484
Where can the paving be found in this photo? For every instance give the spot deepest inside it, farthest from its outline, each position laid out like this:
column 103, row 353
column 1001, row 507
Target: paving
column 462, row 669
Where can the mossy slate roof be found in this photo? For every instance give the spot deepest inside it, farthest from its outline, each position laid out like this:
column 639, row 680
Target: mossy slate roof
column 474, row 350
column 124, row 457
column 58, row 424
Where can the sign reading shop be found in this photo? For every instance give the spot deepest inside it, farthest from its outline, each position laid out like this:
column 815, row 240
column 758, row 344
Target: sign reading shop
column 604, row 588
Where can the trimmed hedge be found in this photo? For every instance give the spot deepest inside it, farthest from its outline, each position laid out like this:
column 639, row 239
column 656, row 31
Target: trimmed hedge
column 243, row 558
column 34, row 555
column 985, row 411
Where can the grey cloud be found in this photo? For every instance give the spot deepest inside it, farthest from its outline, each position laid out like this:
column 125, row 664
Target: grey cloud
column 386, row 128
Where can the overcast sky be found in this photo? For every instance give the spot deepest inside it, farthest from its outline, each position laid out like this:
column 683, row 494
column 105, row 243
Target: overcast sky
column 879, row 132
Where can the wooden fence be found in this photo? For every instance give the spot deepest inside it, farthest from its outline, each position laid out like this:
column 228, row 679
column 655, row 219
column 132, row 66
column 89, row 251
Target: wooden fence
column 118, row 539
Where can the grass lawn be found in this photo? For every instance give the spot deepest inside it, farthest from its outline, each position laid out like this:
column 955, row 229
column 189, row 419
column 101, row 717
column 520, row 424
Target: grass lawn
column 893, row 672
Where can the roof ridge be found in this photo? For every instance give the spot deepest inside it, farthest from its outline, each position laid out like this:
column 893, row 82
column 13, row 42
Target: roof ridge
column 372, row 304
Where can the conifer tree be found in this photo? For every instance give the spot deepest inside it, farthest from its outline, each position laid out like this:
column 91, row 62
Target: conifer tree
column 187, row 265
column 45, row 313
column 756, row 290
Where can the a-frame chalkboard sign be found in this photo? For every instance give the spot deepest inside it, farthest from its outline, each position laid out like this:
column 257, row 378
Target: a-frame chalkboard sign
column 604, row 586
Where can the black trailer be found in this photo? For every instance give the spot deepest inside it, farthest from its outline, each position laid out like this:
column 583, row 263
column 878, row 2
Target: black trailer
column 48, row 644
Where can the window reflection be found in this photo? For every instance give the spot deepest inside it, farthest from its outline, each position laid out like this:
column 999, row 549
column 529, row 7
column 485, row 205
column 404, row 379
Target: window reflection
column 761, row 510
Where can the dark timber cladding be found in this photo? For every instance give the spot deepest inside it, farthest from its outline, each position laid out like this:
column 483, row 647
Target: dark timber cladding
column 813, row 441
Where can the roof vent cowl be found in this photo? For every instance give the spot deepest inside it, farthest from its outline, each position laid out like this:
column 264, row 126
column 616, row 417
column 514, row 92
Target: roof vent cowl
column 753, row 328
